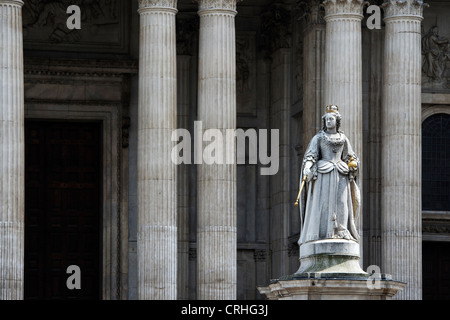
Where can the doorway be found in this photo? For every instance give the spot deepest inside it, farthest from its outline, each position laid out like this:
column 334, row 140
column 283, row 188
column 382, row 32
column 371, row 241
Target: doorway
column 63, row 209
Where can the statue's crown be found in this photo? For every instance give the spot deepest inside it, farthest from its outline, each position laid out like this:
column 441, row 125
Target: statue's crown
column 332, row 108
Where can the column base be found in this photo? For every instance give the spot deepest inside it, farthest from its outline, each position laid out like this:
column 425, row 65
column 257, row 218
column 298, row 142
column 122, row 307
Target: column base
column 321, row 288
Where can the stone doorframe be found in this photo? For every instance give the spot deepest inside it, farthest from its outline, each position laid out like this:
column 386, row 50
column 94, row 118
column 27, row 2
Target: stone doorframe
column 92, row 90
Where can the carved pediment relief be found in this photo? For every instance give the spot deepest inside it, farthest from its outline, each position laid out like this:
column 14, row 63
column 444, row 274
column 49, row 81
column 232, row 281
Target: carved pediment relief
column 103, row 25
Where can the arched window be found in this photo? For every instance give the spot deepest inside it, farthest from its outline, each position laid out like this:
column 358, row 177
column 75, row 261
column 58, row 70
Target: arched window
column 436, row 163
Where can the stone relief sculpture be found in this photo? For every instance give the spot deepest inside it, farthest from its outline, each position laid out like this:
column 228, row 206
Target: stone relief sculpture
column 436, row 53
column 328, row 237
column 50, row 17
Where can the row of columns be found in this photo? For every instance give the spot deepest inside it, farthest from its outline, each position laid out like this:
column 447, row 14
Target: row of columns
column 157, row 174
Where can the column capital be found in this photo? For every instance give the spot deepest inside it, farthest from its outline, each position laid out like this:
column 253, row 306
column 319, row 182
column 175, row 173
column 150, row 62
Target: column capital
column 311, row 11
column 403, row 8
column 228, row 5
column 11, row 2
column 344, row 9
column 145, row 5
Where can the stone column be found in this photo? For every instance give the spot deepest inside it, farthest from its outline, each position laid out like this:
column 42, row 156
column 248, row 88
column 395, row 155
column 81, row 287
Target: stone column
column 157, row 194
column 343, row 71
column 216, row 201
column 313, row 69
column 402, row 146
column 12, row 157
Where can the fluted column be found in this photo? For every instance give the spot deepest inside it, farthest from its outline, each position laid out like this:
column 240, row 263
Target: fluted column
column 216, row 214
column 157, row 194
column 401, row 146
column 12, row 158
column 343, row 72
column 313, row 69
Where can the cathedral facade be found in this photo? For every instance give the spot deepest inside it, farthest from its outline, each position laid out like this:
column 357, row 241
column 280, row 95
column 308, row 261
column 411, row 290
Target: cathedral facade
column 95, row 205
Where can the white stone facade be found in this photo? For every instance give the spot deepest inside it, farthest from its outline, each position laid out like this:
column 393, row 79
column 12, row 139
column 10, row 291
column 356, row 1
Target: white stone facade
column 144, row 68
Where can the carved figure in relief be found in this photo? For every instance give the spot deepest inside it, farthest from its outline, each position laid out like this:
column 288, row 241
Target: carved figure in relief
column 50, row 16
column 436, row 54
column 329, row 168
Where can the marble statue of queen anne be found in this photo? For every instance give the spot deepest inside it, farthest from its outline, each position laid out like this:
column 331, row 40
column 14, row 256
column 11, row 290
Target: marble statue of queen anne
column 329, row 169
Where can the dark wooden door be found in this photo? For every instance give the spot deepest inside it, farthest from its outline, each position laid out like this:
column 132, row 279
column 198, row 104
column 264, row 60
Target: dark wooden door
column 62, row 208
column 436, row 270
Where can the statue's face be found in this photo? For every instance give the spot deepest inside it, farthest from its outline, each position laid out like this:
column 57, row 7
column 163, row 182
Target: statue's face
column 330, row 121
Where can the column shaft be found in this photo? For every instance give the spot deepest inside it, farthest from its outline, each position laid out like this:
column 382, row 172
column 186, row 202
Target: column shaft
column 12, row 157
column 157, row 194
column 401, row 147
column 343, row 72
column 216, row 220
column 313, row 70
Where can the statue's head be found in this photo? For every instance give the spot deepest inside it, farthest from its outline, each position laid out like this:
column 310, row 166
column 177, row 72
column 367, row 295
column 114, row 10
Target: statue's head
column 332, row 110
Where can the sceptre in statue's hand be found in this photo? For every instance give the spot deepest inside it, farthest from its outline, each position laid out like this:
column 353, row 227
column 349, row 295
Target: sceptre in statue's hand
column 301, row 188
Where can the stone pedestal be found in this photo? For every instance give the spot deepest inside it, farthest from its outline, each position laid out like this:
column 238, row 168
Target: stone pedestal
column 330, row 258
column 315, row 287
column 330, row 270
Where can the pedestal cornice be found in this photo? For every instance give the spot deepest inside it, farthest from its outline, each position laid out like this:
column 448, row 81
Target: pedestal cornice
column 403, row 8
